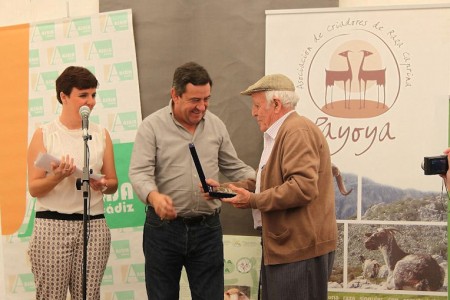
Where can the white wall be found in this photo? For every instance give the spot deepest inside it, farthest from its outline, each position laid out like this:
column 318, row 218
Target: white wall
column 362, row 3
column 28, row 11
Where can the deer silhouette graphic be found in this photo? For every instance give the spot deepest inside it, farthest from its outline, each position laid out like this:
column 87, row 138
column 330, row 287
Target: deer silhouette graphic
column 365, row 75
column 331, row 76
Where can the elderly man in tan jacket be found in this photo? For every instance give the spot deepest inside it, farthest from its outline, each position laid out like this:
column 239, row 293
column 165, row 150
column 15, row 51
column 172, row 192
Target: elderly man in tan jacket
column 295, row 194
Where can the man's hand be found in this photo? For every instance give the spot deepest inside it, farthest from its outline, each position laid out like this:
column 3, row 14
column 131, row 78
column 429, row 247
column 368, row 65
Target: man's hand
column 163, row 205
column 205, row 194
column 447, row 176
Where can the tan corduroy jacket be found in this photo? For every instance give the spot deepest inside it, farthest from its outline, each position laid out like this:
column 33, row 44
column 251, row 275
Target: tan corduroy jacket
column 297, row 195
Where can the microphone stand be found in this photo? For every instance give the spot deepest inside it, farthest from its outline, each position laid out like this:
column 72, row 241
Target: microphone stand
column 83, row 184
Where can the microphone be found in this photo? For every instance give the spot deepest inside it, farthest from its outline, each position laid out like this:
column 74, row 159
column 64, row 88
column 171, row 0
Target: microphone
column 84, row 112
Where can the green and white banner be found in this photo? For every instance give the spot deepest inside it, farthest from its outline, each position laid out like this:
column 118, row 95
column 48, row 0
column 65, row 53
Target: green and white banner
column 103, row 43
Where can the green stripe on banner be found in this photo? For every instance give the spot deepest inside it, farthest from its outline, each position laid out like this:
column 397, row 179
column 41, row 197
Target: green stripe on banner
column 124, row 209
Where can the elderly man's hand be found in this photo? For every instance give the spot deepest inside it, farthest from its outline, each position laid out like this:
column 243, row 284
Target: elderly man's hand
column 242, row 198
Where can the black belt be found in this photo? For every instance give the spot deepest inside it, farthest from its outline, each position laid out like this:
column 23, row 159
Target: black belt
column 196, row 219
column 67, row 217
column 189, row 220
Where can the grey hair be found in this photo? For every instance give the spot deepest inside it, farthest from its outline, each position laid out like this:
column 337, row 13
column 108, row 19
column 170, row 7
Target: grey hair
column 287, row 98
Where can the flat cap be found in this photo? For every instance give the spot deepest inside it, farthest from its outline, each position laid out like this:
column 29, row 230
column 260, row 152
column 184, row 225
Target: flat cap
column 273, row 82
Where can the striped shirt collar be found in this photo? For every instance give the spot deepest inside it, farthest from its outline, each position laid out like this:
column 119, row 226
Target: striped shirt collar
column 272, row 131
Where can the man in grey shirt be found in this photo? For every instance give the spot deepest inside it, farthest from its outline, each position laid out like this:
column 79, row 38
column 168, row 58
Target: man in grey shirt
column 181, row 228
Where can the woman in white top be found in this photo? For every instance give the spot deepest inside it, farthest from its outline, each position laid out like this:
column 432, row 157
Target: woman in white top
column 56, row 246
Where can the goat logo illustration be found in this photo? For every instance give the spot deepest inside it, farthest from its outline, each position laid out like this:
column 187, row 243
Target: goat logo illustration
column 354, row 75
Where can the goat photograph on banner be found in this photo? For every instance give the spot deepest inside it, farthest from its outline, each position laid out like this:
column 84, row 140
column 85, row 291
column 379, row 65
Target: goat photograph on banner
column 397, row 257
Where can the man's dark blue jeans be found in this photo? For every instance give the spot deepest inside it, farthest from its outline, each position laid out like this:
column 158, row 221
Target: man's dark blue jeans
column 195, row 244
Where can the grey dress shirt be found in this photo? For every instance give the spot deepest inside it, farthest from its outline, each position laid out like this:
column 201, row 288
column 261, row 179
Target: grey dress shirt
column 161, row 160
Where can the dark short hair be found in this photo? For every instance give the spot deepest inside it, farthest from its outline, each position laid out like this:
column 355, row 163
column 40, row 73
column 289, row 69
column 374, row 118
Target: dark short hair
column 74, row 77
column 190, row 72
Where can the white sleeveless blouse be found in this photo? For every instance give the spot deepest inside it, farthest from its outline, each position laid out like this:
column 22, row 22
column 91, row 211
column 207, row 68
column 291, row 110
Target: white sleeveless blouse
column 60, row 141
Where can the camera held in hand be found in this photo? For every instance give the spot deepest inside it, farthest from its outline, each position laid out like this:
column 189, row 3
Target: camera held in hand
column 434, row 165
